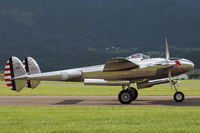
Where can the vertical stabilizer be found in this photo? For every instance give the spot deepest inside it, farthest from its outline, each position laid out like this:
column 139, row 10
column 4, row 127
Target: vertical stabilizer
column 14, row 68
column 31, row 67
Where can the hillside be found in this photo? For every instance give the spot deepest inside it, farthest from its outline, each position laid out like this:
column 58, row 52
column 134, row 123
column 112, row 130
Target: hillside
column 193, row 5
column 72, row 33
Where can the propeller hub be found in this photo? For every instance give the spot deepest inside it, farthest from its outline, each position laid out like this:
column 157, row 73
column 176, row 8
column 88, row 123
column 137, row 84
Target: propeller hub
column 177, row 63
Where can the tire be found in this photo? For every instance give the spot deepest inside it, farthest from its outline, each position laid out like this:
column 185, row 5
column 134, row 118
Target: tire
column 134, row 92
column 179, row 96
column 125, row 97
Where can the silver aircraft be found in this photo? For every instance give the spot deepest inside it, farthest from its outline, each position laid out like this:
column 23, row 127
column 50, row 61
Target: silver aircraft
column 137, row 68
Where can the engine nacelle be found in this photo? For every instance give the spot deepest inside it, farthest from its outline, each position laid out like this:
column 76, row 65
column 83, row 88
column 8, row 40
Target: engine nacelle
column 72, row 75
column 151, row 83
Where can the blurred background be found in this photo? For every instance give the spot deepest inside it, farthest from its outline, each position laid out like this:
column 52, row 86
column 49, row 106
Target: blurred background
column 74, row 33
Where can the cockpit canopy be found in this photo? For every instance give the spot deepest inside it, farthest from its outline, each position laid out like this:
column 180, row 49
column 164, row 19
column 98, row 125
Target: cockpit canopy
column 138, row 56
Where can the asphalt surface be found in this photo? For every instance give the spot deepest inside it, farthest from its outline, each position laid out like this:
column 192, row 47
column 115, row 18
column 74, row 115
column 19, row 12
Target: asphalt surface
column 95, row 100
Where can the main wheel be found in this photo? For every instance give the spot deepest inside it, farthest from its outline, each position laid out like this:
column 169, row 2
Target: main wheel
column 125, row 97
column 179, row 96
column 134, row 92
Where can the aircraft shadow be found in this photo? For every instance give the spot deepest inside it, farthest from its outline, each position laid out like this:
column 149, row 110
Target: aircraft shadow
column 171, row 102
column 68, row 102
column 186, row 102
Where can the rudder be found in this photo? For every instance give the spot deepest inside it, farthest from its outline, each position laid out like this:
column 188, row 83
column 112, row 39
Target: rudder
column 31, row 67
column 14, row 68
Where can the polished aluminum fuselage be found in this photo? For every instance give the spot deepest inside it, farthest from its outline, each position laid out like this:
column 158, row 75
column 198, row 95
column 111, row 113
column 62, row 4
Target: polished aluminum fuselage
column 148, row 69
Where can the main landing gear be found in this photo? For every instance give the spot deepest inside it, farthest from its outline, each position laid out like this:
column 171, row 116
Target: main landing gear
column 128, row 95
column 178, row 96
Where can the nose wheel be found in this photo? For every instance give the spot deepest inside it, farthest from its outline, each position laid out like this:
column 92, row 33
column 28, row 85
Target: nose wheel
column 128, row 95
column 178, row 96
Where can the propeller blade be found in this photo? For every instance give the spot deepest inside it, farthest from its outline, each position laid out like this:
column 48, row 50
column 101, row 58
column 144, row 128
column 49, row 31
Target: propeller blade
column 167, row 57
column 167, row 49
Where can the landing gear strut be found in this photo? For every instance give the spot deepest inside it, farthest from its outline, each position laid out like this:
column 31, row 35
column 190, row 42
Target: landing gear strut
column 178, row 96
column 128, row 95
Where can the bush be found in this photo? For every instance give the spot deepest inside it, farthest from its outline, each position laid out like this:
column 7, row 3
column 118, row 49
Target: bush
column 1, row 76
column 194, row 75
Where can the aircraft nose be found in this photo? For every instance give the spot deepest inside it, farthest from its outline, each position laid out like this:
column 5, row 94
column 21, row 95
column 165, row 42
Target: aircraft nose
column 192, row 65
column 189, row 65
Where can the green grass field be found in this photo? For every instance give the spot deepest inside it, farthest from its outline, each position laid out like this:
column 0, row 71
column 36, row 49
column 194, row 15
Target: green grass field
column 93, row 119
column 78, row 90
column 99, row 119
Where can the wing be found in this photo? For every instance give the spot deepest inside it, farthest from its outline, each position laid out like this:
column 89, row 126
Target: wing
column 119, row 64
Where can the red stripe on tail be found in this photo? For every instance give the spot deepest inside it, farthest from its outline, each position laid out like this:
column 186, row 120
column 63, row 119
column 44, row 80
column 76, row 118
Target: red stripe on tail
column 9, row 85
column 7, row 79
column 7, row 74
column 7, row 69
column 7, row 64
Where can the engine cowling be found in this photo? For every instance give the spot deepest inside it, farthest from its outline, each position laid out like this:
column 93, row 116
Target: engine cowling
column 151, row 83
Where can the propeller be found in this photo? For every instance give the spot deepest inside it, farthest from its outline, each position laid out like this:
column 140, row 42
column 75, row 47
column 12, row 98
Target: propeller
column 167, row 49
column 167, row 57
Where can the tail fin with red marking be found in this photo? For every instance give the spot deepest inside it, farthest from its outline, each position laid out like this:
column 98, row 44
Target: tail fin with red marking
column 14, row 68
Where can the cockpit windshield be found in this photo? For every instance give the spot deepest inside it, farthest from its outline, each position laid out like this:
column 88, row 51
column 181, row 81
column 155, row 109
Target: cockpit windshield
column 138, row 56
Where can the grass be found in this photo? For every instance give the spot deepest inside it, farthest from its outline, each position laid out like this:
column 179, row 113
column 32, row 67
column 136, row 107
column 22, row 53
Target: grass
column 99, row 119
column 1, row 77
column 78, row 90
column 93, row 119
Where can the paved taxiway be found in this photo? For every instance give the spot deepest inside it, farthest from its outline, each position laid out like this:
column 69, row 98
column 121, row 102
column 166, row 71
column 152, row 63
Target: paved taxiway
column 95, row 100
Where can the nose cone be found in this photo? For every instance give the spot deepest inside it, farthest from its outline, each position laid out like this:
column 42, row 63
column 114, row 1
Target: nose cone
column 190, row 66
column 187, row 64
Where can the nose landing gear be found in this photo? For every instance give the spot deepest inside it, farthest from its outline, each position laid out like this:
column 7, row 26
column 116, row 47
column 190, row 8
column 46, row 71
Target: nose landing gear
column 178, row 96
